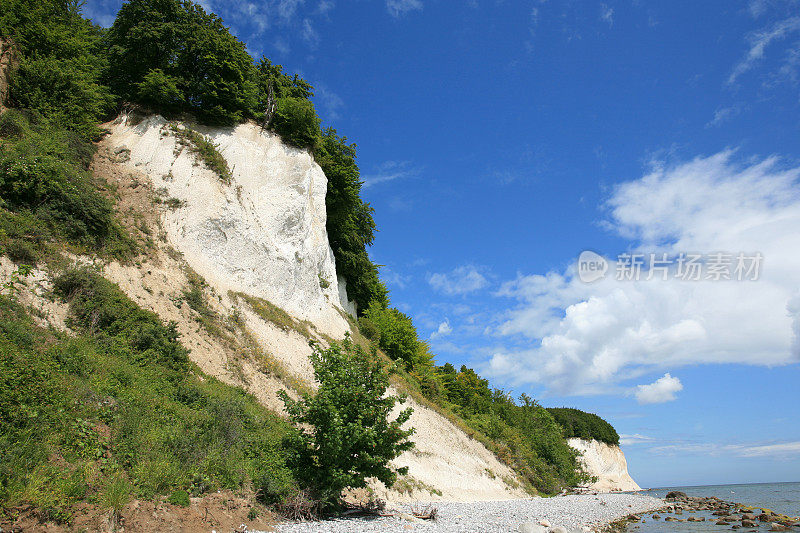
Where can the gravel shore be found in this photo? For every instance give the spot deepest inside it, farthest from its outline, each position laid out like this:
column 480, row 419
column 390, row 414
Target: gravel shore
column 569, row 512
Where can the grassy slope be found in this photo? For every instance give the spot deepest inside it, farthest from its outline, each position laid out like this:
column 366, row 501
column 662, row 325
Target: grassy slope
column 119, row 412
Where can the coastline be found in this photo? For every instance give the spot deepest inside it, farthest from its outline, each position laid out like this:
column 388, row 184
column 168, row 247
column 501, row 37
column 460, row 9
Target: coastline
column 681, row 509
column 571, row 513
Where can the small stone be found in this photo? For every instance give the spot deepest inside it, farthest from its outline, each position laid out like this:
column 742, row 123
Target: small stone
column 778, row 527
column 544, row 523
column 530, row 527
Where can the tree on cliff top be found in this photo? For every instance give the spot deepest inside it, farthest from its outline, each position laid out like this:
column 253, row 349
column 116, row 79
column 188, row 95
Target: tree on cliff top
column 346, row 436
column 187, row 48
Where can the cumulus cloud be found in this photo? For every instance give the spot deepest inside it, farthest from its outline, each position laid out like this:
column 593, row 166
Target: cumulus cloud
column 660, row 391
column 443, row 330
column 584, row 338
column 398, row 8
column 462, row 280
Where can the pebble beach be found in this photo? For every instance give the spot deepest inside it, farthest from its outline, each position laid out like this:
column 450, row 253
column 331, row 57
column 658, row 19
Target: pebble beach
column 573, row 513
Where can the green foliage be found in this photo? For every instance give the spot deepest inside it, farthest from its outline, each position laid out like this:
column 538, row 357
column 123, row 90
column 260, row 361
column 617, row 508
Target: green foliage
column 99, row 307
column 346, row 435
column 577, row 423
column 160, row 90
column 108, row 415
column 524, row 436
column 206, row 71
column 283, row 86
column 61, row 62
column 207, row 151
column 296, row 121
column 351, row 228
column 45, row 184
column 396, row 334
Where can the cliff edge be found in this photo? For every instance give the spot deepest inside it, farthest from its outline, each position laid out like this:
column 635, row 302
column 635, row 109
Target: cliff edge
column 607, row 463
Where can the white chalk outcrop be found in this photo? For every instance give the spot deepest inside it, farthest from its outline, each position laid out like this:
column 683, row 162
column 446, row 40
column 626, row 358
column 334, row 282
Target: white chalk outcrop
column 264, row 234
column 607, row 463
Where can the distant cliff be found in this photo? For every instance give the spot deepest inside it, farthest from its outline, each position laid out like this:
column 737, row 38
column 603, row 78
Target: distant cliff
column 607, row 463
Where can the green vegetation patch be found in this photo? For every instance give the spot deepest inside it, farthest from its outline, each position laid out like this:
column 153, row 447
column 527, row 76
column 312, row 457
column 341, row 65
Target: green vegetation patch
column 118, row 412
column 577, row 423
column 46, row 192
column 274, row 314
column 205, row 150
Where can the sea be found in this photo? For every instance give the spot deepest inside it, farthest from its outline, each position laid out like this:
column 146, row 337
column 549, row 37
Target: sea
column 782, row 498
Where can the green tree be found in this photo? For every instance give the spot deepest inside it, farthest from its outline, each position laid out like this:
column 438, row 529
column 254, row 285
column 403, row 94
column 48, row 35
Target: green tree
column 345, row 433
column 61, row 62
column 296, row 122
column 209, row 67
column 351, row 227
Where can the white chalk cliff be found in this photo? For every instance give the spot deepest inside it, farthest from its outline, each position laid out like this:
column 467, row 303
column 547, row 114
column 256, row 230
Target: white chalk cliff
column 264, row 234
column 607, row 463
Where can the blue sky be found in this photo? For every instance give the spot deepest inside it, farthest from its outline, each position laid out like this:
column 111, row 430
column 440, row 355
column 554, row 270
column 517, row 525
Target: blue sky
column 500, row 139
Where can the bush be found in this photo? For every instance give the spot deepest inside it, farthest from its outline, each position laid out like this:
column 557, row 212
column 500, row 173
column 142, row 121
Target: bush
column 296, row 121
column 346, row 434
column 395, row 333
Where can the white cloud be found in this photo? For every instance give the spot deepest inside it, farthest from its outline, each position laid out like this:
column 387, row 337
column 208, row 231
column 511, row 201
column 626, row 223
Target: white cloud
column 771, row 450
column 309, row 34
column 287, row 8
column 633, row 439
column 330, row 102
column 578, row 338
column 660, row 391
column 394, row 278
column 443, row 330
column 722, row 115
column 781, row 450
column 325, row 6
column 390, row 171
column 759, row 42
column 607, row 14
column 462, row 280
column 398, row 8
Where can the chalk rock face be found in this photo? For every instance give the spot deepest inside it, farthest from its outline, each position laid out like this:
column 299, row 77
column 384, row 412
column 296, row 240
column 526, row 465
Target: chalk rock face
column 607, row 463
column 263, row 233
column 6, row 62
